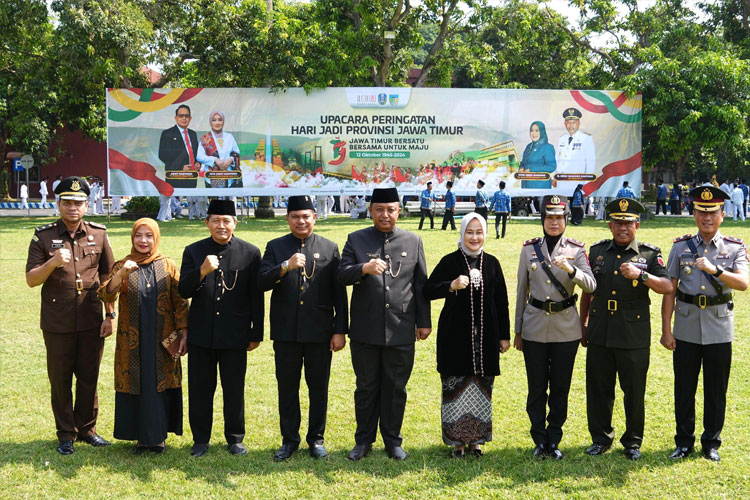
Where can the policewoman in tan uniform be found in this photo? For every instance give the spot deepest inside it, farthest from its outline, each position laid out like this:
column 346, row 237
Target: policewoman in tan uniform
column 705, row 269
column 69, row 258
column 617, row 327
column 548, row 327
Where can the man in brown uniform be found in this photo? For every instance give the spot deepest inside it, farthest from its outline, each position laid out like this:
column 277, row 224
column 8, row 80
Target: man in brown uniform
column 69, row 258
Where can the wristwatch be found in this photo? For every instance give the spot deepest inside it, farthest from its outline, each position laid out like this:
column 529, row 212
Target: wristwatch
column 112, row 315
column 718, row 272
column 285, row 266
column 643, row 276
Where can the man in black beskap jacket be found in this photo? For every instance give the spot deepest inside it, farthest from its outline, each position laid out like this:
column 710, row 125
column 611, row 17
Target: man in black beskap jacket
column 220, row 275
column 309, row 319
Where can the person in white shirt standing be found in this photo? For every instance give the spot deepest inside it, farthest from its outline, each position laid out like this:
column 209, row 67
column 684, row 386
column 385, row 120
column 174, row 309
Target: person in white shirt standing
column 92, row 197
column 24, row 197
column 43, row 191
column 576, row 153
column 57, row 181
column 100, row 197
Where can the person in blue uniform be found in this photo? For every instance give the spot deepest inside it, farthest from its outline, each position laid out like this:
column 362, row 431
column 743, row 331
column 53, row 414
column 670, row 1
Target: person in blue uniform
column 705, row 269
column 576, row 206
column 386, row 268
column 626, row 191
column 616, row 327
column 220, row 275
column 675, row 199
column 426, row 201
column 450, row 207
column 481, row 200
column 501, row 202
column 661, row 197
column 539, row 156
column 309, row 320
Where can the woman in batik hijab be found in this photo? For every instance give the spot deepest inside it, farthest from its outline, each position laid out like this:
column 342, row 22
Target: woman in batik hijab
column 148, row 379
column 473, row 330
column 218, row 151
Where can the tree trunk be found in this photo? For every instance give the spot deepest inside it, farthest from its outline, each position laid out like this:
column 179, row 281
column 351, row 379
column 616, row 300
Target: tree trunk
column 264, row 210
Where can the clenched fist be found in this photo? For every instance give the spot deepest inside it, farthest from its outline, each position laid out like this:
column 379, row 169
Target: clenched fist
column 460, row 283
column 62, row 257
column 209, row 265
column 296, row 261
column 375, row 267
column 128, row 266
column 562, row 262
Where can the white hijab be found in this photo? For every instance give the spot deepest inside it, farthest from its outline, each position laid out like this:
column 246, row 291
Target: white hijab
column 464, row 224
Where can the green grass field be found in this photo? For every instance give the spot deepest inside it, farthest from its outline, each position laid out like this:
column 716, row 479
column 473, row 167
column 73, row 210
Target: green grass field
column 30, row 467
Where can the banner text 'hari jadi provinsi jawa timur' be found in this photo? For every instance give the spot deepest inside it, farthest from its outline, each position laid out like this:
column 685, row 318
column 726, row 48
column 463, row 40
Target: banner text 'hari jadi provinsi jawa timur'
column 234, row 142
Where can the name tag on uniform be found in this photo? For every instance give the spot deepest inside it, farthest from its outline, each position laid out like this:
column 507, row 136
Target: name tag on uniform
column 57, row 244
column 722, row 256
column 90, row 243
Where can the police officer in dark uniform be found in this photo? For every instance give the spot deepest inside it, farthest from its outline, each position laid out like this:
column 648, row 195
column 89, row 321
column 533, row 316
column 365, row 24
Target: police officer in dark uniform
column 616, row 326
column 309, row 320
column 220, row 275
column 705, row 268
column 387, row 269
column 69, row 258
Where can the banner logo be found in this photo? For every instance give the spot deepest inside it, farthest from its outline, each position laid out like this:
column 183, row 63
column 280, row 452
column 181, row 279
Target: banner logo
column 339, row 151
column 382, row 99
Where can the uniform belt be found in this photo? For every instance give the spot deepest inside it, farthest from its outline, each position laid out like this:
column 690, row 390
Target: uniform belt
column 704, row 300
column 552, row 306
column 616, row 305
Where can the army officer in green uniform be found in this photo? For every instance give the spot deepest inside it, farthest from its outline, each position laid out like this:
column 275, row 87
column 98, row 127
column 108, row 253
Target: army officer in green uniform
column 616, row 326
column 704, row 268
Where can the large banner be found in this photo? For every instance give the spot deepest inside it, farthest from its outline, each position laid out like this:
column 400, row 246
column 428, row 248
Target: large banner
column 233, row 142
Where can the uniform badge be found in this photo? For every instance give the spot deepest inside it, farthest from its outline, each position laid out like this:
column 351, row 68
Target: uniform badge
column 403, row 254
column 660, row 260
column 91, row 237
column 316, row 255
column 642, row 260
column 34, row 238
column 75, row 185
column 624, row 204
column 600, row 258
column 687, row 270
column 533, row 266
column 57, row 244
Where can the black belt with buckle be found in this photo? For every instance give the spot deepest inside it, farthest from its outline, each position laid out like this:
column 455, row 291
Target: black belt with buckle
column 552, row 306
column 706, row 300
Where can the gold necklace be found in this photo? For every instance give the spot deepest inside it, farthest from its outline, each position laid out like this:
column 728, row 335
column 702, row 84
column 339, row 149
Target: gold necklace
column 224, row 284
column 304, row 271
column 390, row 266
column 147, row 279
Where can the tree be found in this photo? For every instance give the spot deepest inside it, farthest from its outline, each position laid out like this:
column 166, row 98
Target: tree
column 27, row 98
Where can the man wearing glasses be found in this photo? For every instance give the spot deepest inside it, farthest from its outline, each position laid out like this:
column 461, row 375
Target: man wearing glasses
column 178, row 148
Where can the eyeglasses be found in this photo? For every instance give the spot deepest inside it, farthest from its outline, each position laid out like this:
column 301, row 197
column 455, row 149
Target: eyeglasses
column 182, row 115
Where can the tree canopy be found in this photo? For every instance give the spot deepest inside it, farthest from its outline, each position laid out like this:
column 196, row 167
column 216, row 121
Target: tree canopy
column 693, row 68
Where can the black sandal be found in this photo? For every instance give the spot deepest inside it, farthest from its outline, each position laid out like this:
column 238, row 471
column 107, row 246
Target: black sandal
column 457, row 453
column 477, row 452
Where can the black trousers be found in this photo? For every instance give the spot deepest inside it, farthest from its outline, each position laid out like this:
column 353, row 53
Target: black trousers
column 202, row 362
column 576, row 215
column 548, row 365
column 663, row 205
column 674, row 207
column 603, row 366
column 289, row 358
column 79, row 354
column 717, row 361
column 426, row 212
column 448, row 218
column 382, row 373
column 500, row 216
column 481, row 211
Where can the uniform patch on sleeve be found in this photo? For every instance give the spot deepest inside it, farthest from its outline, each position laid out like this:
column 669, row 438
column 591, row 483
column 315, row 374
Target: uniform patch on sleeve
column 34, row 238
column 660, row 260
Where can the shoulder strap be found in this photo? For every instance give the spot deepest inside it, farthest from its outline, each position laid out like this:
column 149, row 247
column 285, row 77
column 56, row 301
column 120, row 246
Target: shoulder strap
column 711, row 279
column 548, row 270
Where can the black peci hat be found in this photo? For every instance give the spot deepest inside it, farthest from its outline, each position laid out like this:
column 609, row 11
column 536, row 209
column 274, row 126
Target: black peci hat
column 222, row 207
column 384, row 195
column 301, row 202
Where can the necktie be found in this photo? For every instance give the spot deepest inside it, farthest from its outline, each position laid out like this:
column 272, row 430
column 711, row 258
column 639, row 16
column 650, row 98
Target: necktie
column 569, row 139
column 189, row 148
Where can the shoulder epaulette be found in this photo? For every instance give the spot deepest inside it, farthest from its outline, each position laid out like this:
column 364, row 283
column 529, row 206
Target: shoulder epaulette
column 586, row 133
column 733, row 239
column 96, row 225
column 532, row 241
column 649, row 245
column 683, row 238
column 576, row 242
column 600, row 242
column 45, row 227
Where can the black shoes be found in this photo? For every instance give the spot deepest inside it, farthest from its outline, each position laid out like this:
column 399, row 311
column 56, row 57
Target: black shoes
column 199, row 449
column 140, row 449
column 359, row 452
column 237, row 449
column 597, row 449
column 477, row 452
column 711, row 454
column 455, row 453
column 317, row 450
column 286, row 451
column 554, row 452
column 632, row 453
column 65, row 448
column 540, row 451
column 94, row 440
column 681, row 452
column 396, row 453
